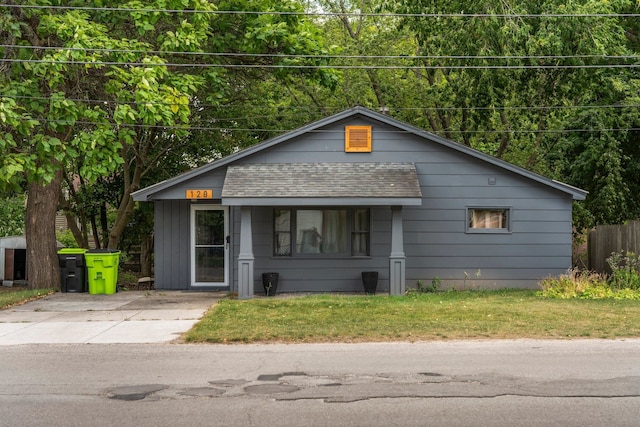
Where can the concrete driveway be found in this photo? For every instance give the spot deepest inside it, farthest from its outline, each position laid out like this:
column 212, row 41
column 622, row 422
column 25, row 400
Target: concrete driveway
column 124, row 317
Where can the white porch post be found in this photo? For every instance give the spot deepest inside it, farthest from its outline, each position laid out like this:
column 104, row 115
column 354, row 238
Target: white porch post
column 245, row 257
column 397, row 258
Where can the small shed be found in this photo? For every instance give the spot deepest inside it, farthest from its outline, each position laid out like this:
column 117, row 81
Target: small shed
column 13, row 259
column 359, row 191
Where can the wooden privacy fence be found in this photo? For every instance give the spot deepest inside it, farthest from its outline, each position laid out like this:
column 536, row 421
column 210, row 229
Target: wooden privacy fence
column 605, row 239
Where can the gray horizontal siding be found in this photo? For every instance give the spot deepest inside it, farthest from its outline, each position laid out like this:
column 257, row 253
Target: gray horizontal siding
column 476, row 262
column 437, row 251
column 485, row 192
column 521, row 203
column 486, row 239
column 486, row 274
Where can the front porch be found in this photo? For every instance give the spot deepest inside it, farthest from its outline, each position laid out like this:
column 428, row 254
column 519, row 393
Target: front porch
column 322, row 211
column 246, row 277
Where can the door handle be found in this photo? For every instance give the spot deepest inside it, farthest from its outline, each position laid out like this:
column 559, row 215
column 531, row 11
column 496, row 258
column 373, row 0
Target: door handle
column 227, row 241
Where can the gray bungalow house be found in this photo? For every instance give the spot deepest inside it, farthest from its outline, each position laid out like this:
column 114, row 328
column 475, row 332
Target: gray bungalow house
column 359, row 191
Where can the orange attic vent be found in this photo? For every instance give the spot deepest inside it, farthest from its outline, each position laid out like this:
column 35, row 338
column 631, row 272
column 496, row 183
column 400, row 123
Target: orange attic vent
column 357, row 139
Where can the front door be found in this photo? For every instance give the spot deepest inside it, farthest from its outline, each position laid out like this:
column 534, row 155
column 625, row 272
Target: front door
column 209, row 246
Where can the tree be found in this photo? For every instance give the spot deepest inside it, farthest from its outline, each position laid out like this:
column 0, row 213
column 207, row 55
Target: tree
column 560, row 113
column 50, row 120
column 157, row 153
column 100, row 95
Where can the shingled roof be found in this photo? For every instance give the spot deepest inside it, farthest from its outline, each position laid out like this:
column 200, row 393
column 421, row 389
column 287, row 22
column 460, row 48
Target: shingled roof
column 287, row 181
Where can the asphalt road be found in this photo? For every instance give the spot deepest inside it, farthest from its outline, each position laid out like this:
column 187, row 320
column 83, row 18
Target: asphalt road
column 476, row 383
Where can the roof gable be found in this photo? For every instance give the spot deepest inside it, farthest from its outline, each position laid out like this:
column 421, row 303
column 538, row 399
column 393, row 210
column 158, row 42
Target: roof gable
column 147, row 193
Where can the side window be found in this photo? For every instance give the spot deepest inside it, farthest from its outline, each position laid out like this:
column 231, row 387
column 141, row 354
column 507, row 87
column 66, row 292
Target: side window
column 488, row 220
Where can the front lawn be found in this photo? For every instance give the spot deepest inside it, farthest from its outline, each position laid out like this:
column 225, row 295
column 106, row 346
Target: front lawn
column 445, row 315
column 10, row 296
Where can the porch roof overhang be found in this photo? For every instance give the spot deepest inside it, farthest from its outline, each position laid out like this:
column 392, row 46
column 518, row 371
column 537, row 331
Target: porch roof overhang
column 324, row 184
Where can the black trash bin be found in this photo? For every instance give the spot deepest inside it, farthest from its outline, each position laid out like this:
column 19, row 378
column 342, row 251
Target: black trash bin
column 73, row 277
column 270, row 283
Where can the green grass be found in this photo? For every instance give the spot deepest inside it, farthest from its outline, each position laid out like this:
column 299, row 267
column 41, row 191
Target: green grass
column 9, row 298
column 446, row 315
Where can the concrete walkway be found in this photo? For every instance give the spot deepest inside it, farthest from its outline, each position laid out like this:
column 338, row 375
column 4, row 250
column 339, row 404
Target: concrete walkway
column 124, row 317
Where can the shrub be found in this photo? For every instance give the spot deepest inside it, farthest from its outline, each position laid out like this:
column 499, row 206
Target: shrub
column 66, row 238
column 597, row 292
column 126, row 278
column 573, row 284
column 421, row 288
column 625, row 270
column 589, row 285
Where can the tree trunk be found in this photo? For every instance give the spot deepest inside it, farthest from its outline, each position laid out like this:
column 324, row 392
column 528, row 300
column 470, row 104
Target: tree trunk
column 132, row 180
column 125, row 210
column 43, row 271
column 146, row 251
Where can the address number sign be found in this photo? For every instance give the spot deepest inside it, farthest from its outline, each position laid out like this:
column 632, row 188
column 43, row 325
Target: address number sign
column 200, row 194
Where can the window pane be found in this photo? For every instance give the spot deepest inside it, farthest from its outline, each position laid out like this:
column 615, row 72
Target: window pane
column 488, row 218
column 361, row 220
column 282, row 218
column 283, row 244
column 282, row 225
column 321, row 231
column 360, row 244
column 209, row 227
column 210, row 264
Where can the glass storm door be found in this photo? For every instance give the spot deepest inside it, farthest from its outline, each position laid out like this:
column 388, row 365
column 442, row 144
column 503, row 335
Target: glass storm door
column 210, row 246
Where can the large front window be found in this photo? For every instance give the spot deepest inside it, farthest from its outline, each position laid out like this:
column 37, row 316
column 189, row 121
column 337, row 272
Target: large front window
column 316, row 232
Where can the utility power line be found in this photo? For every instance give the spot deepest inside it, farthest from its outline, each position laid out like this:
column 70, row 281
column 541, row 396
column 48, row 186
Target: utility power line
column 317, row 56
column 325, row 67
column 329, row 13
column 197, row 104
column 188, row 127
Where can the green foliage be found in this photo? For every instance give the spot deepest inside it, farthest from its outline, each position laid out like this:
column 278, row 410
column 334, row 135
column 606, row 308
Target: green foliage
column 625, row 271
column 522, row 115
column 104, row 106
column 622, row 283
column 12, row 210
column 66, row 238
column 434, row 286
column 126, row 278
column 573, row 284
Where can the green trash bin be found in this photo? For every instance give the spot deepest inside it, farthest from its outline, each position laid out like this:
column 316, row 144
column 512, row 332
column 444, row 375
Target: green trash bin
column 102, row 270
